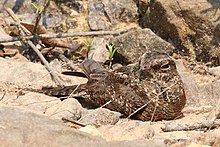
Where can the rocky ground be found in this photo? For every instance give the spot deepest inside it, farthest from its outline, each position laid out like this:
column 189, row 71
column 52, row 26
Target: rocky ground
column 189, row 30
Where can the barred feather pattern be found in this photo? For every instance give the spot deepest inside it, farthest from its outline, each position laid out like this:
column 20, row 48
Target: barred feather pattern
column 150, row 89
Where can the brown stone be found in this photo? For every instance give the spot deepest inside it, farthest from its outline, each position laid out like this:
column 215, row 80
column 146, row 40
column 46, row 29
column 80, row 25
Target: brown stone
column 189, row 25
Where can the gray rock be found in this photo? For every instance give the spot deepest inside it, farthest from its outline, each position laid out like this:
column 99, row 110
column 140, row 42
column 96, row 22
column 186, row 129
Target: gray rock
column 19, row 6
column 22, row 128
column 56, row 18
column 200, row 89
column 97, row 18
column 99, row 53
column 36, row 102
column 135, row 43
column 105, row 13
column 99, row 117
column 25, row 74
column 215, row 71
column 200, row 93
column 69, row 108
column 208, row 139
column 91, row 130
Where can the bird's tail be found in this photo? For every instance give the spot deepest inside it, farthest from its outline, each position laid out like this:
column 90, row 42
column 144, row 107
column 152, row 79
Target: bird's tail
column 91, row 69
column 65, row 91
column 59, row 91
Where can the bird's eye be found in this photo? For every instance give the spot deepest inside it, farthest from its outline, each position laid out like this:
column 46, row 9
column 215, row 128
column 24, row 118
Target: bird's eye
column 165, row 67
column 156, row 67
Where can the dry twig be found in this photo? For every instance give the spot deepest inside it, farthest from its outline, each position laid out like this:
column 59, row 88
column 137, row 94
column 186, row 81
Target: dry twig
column 3, row 96
column 65, row 35
column 47, row 66
column 73, row 121
column 210, row 123
column 25, row 31
column 203, row 127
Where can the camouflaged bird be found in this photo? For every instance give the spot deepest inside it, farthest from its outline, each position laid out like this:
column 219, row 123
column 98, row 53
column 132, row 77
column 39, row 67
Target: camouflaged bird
column 148, row 90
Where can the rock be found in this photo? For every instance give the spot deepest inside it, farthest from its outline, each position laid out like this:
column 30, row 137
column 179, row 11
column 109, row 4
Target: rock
column 35, row 101
column 189, row 25
column 91, row 130
column 217, row 143
column 127, row 130
column 213, row 116
column 69, row 108
column 67, row 79
column 25, row 74
column 20, row 58
column 57, row 10
column 75, row 4
column 215, row 71
column 99, row 117
column 133, row 44
column 97, row 18
column 193, row 144
column 24, row 128
column 200, row 89
column 18, row 6
column 209, row 139
column 99, row 52
column 104, row 14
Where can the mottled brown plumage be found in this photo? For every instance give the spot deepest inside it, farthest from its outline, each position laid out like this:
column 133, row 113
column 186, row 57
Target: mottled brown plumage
column 148, row 90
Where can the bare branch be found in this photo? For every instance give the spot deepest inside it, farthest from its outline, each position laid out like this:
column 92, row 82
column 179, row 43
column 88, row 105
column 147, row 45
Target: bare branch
column 203, row 126
column 3, row 96
column 73, row 121
column 65, row 35
column 47, row 66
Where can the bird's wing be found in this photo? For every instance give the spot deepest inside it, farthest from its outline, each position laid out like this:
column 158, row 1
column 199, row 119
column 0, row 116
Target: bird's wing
column 91, row 68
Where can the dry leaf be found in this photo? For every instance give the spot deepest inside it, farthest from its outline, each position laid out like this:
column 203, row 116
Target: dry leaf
column 52, row 42
column 7, row 52
column 45, row 51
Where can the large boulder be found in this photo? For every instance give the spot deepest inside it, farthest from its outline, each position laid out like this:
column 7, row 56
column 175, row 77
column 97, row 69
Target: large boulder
column 23, row 128
column 133, row 44
column 192, row 26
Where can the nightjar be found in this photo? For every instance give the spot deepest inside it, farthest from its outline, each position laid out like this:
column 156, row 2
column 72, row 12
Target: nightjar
column 150, row 89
